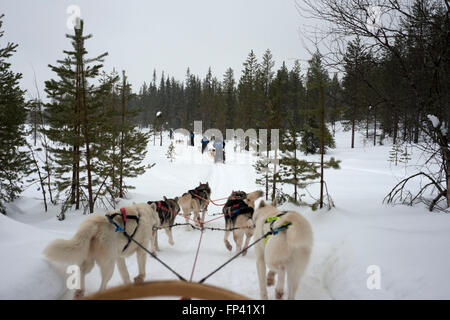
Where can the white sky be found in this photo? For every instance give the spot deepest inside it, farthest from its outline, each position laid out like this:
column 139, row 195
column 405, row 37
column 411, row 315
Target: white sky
column 144, row 35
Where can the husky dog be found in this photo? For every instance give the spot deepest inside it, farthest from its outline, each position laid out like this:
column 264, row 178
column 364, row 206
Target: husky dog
column 168, row 210
column 238, row 213
column 286, row 252
column 97, row 241
column 195, row 200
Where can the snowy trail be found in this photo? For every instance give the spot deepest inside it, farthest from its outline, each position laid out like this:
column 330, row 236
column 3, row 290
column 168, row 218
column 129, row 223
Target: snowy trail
column 407, row 243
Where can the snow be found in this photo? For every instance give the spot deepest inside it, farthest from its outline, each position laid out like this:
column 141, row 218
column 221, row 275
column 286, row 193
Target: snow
column 408, row 244
column 434, row 120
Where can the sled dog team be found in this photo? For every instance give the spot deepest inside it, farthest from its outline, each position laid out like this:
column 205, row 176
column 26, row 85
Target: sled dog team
column 285, row 251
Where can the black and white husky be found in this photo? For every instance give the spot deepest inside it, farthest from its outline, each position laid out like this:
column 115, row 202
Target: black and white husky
column 167, row 209
column 238, row 213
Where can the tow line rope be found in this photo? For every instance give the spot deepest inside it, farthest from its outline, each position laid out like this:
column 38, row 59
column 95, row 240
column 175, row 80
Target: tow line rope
column 265, row 236
column 200, row 228
column 196, row 255
column 211, row 201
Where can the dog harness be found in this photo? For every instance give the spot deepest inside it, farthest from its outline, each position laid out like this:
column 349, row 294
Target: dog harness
column 123, row 214
column 199, row 192
column 275, row 231
column 163, row 210
column 237, row 207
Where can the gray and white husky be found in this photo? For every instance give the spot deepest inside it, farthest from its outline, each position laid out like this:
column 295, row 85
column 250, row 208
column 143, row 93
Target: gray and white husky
column 195, row 200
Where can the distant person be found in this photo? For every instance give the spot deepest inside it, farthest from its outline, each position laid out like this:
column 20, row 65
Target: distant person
column 204, row 144
column 223, row 151
column 171, row 134
column 192, row 138
column 218, row 156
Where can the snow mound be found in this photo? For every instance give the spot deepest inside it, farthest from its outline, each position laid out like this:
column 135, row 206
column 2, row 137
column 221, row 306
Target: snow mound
column 24, row 272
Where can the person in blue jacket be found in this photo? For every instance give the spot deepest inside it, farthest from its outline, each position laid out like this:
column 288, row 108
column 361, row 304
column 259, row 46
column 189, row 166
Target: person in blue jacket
column 204, row 144
column 192, row 138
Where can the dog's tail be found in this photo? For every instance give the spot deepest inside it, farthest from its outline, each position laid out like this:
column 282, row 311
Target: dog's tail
column 253, row 196
column 74, row 250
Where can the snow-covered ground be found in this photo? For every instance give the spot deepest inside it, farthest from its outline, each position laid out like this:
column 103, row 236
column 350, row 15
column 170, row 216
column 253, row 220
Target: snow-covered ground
column 409, row 245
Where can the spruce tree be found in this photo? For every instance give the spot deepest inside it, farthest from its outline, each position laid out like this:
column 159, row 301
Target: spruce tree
column 73, row 116
column 171, row 152
column 394, row 154
column 315, row 135
column 248, row 93
column 132, row 141
column 293, row 170
column 14, row 160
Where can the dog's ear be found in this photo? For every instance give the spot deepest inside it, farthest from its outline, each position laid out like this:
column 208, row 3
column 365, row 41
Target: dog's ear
column 176, row 199
column 207, row 183
column 153, row 206
column 164, row 197
column 262, row 204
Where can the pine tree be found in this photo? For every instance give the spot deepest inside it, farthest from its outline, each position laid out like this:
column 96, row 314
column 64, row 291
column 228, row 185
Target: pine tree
column 293, row 170
column 132, row 142
column 394, row 154
column 229, row 94
column 73, row 115
column 248, row 93
column 405, row 156
column 315, row 136
column 14, row 161
column 171, row 152
column 356, row 65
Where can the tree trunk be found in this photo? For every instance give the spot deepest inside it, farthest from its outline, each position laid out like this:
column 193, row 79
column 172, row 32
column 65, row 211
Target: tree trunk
column 41, row 180
column 267, row 176
column 447, row 172
column 395, row 130
column 78, row 135
column 367, row 126
column 122, row 137
column 353, row 131
column 87, row 142
column 374, row 126
column 274, row 186
column 322, row 144
column 295, row 173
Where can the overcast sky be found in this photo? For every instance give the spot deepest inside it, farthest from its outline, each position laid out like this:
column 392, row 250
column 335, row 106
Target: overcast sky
column 144, row 35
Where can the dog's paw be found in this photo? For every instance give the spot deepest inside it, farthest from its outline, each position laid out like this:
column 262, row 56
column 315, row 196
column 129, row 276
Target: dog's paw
column 139, row 279
column 228, row 245
column 171, row 242
column 278, row 295
column 78, row 294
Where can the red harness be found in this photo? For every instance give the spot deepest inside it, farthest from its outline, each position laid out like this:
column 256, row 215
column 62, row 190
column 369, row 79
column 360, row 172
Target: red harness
column 124, row 214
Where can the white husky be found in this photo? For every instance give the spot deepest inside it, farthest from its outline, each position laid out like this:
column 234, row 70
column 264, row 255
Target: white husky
column 97, row 241
column 286, row 252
